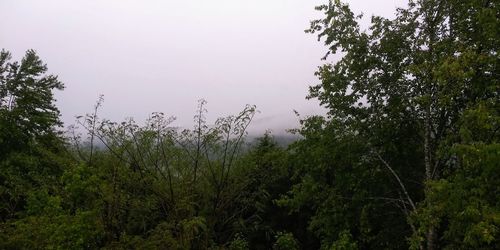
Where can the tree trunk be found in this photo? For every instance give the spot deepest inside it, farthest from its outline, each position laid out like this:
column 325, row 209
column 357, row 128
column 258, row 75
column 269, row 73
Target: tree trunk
column 431, row 233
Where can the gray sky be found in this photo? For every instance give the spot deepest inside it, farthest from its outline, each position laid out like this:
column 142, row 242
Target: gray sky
column 164, row 55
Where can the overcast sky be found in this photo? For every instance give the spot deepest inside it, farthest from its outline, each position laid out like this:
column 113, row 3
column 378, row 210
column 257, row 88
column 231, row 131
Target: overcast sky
column 164, row 55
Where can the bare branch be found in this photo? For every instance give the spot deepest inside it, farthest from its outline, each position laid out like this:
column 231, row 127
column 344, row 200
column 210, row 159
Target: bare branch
column 401, row 184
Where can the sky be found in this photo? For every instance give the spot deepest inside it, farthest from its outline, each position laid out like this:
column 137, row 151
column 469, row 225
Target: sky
column 163, row 55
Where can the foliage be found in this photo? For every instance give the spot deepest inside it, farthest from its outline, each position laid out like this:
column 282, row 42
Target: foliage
column 465, row 205
column 238, row 243
column 285, row 241
column 344, row 242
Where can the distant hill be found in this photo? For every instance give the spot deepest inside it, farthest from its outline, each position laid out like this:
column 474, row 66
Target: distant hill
column 283, row 140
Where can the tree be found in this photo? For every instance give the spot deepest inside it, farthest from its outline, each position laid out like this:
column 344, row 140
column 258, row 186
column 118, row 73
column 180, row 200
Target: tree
column 343, row 194
column 26, row 96
column 264, row 175
column 187, row 177
column 465, row 205
column 29, row 142
column 403, row 85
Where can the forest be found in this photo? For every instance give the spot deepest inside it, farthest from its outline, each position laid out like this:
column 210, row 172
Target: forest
column 406, row 157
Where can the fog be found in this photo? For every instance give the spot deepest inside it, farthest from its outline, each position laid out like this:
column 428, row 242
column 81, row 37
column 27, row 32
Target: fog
column 147, row 56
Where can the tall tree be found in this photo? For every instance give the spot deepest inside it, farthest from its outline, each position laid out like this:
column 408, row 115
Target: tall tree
column 412, row 77
column 26, row 95
column 28, row 121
